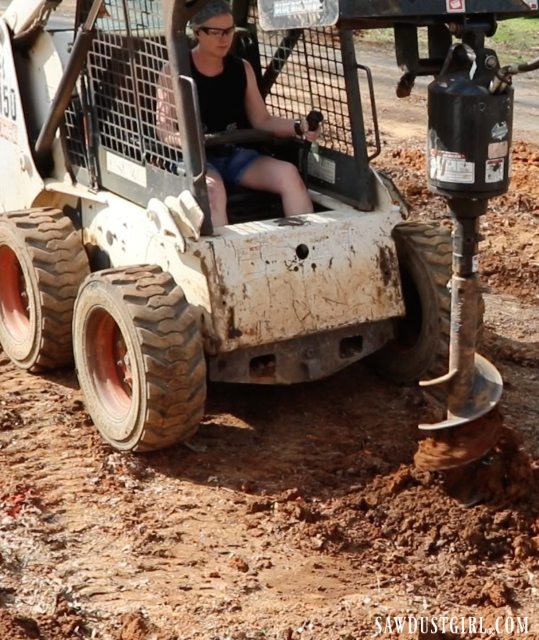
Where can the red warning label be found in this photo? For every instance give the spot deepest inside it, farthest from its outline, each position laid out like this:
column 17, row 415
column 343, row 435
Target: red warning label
column 455, row 6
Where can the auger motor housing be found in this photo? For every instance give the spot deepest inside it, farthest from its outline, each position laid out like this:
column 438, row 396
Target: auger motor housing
column 469, row 137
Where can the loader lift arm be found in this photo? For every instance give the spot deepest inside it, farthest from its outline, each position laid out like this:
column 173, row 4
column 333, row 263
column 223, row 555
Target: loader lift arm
column 81, row 46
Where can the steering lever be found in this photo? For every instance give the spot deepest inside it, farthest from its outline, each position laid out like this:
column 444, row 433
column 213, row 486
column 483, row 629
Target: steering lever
column 314, row 120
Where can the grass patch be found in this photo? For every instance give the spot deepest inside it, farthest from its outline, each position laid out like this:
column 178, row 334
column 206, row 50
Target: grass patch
column 515, row 40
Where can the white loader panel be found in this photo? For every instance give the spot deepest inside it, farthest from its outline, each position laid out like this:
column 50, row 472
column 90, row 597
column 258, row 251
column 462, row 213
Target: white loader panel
column 21, row 14
column 261, row 282
column 276, row 280
column 20, row 179
column 128, row 235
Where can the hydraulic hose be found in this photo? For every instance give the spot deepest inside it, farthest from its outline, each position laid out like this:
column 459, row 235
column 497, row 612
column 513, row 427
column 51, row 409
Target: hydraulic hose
column 513, row 69
column 505, row 74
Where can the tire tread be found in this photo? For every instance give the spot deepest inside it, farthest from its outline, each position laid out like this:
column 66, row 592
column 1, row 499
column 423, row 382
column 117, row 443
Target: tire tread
column 59, row 265
column 172, row 354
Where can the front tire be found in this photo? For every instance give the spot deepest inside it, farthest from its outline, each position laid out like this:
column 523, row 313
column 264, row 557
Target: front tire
column 139, row 358
column 420, row 348
column 42, row 265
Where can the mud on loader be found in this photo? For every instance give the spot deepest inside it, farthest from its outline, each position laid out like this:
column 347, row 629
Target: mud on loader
column 107, row 249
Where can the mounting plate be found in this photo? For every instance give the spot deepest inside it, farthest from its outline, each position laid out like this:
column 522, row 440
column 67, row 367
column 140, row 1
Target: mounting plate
column 297, row 14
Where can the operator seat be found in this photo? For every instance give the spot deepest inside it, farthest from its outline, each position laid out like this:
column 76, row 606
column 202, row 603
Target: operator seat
column 151, row 55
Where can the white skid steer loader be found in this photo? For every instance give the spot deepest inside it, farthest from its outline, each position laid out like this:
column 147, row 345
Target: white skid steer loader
column 108, row 252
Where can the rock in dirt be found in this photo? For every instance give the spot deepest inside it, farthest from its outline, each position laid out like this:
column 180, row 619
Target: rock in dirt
column 17, row 628
column 134, row 627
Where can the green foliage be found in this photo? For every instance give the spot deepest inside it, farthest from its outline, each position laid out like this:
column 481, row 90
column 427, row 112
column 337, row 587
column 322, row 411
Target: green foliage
column 516, row 40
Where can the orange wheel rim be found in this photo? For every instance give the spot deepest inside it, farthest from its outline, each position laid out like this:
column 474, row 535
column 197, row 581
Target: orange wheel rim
column 110, row 364
column 13, row 295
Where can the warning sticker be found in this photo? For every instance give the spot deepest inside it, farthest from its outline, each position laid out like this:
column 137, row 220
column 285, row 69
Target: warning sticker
column 455, row 6
column 289, row 7
column 126, row 169
column 8, row 130
column 500, row 130
column 297, row 14
column 494, row 170
column 321, row 168
column 448, row 166
column 498, row 149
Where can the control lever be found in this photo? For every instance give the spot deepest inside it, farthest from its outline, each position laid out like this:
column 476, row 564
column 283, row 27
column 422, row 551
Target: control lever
column 314, row 120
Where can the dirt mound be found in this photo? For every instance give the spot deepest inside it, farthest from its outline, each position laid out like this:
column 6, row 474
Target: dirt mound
column 294, row 509
column 64, row 623
column 16, row 628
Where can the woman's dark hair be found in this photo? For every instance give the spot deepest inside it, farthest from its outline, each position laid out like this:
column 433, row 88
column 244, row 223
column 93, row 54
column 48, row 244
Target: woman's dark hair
column 210, row 10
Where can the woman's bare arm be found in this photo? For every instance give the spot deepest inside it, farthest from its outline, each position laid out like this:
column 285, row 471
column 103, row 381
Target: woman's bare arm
column 166, row 117
column 257, row 112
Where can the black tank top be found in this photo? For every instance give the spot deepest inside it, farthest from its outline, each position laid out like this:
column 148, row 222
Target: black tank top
column 222, row 97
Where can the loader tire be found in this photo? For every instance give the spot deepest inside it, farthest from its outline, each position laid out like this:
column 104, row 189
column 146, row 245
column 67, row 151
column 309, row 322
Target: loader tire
column 42, row 265
column 139, row 358
column 420, row 348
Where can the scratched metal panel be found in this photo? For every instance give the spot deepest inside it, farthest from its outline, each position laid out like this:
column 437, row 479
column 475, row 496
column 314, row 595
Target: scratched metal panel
column 390, row 9
column 271, row 281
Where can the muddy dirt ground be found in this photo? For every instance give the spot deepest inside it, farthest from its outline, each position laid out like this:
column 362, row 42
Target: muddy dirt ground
column 295, row 513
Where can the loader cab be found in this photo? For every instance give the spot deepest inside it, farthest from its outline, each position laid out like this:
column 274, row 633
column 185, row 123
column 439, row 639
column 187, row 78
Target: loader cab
column 303, row 60
column 110, row 123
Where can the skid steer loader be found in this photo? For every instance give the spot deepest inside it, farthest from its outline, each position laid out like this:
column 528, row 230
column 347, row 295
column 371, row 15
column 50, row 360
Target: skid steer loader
column 107, row 249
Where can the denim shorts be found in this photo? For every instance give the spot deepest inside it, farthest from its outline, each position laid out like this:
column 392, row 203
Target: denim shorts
column 232, row 163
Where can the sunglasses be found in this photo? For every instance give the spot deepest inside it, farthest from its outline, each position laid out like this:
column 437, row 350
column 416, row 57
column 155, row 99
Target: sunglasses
column 217, row 32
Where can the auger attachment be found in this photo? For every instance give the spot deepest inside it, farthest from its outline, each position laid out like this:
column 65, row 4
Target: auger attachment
column 469, row 143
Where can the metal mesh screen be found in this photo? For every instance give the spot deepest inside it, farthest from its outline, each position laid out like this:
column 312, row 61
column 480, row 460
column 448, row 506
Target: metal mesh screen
column 141, row 15
column 126, row 58
column 301, row 70
column 311, row 76
column 74, row 133
column 110, row 68
column 145, row 16
column 150, row 58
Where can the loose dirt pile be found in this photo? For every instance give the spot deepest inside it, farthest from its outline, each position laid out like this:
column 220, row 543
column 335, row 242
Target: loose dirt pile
column 300, row 510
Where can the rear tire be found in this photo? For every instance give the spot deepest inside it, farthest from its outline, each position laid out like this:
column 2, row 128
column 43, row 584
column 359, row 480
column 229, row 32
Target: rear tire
column 42, row 265
column 420, row 349
column 139, row 358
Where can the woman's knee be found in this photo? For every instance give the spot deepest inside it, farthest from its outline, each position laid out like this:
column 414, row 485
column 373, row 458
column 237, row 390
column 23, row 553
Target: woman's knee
column 216, row 190
column 217, row 198
column 291, row 178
